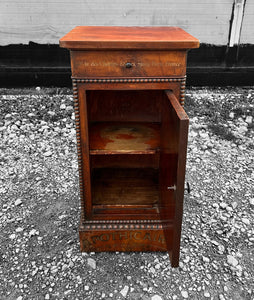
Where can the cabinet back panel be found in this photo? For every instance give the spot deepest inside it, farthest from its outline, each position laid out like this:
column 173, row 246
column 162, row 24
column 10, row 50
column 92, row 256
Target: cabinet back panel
column 125, row 186
column 125, row 161
column 126, row 105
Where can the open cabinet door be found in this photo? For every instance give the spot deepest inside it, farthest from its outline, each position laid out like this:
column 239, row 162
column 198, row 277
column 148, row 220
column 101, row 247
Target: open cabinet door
column 174, row 135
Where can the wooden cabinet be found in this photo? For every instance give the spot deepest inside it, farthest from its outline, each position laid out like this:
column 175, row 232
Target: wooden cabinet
column 132, row 130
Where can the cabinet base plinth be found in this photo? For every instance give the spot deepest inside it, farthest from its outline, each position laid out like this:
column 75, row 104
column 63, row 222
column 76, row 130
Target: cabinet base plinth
column 127, row 240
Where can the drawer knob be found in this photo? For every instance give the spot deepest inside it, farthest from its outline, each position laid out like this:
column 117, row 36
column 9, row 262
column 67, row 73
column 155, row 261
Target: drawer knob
column 128, row 65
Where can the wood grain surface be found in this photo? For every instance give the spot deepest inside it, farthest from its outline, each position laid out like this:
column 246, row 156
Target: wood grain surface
column 128, row 37
column 125, row 186
column 124, row 138
column 132, row 135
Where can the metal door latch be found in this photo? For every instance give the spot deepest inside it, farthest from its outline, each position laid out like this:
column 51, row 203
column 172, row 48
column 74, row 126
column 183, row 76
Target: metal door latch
column 171, row 187
column 187, row 188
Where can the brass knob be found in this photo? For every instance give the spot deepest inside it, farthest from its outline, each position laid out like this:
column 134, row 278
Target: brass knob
column 128, row 65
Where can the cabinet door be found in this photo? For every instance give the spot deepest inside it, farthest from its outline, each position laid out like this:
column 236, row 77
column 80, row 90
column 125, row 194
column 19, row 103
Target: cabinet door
column 174, row 135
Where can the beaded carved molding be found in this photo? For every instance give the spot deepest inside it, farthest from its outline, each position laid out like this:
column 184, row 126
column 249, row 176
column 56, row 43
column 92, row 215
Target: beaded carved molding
column 79, row 151
column 123, row 224
column 182, row 80
column 127, row 80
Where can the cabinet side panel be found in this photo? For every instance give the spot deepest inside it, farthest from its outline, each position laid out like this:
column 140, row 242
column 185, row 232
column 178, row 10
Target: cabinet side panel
column 85, row 182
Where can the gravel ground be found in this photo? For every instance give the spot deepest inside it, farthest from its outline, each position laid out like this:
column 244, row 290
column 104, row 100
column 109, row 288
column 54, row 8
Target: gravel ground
column 39, row 254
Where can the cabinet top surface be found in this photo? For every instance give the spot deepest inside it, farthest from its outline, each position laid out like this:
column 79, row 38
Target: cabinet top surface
column 119, row 37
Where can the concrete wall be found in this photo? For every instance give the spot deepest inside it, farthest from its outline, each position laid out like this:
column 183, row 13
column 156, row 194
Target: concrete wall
column 45, row 21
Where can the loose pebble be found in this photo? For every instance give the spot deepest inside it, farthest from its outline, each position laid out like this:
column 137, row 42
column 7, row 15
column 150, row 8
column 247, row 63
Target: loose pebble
column 232, row 260
column 246, row 221
column 249, row 119
column 156, row 297
column 206, row 259
column 48, row 153
column 124, row 291
column 221, row 248
column 19, row 229
column 184, row 294
column 18, row 202
column 33, row 232
column 91, row 262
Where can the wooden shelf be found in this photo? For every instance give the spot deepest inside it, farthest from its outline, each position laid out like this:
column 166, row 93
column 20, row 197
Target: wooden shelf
column 124, row 138
column 125, row 186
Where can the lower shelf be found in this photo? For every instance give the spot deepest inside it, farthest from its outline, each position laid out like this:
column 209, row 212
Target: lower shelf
column 121, row 187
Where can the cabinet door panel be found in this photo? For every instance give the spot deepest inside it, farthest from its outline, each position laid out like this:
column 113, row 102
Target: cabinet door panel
column 174, row 134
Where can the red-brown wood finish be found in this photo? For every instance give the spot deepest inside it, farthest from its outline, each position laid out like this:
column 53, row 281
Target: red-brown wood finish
column 120, row 37
column 127, row 239
column 173, row 160
column 128, row 63
column 129, row 85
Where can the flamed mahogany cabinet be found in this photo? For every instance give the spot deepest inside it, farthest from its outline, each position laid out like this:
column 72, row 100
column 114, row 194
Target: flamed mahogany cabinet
column 128, row 85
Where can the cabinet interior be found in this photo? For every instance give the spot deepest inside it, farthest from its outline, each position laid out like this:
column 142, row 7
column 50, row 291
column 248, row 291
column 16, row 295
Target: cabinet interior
column 130, row 132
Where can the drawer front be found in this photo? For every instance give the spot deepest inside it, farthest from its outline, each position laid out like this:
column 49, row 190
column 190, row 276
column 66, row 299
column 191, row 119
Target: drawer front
column 128, row 63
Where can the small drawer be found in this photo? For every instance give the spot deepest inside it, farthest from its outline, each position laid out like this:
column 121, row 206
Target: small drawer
column 128, row 63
